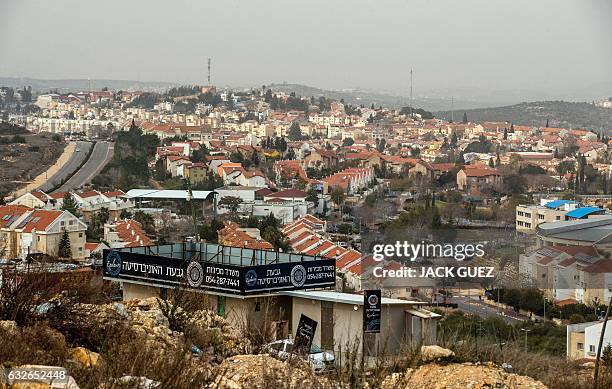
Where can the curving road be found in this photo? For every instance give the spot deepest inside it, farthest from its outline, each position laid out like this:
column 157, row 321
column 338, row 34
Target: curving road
column 69, row 167
column 100, row 156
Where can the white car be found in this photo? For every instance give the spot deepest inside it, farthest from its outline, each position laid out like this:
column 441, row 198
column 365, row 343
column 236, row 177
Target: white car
column 320, row 361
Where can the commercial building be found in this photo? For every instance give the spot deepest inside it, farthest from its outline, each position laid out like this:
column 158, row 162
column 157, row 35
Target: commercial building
column 529, row 216
column 268, row 290
column 595, row 231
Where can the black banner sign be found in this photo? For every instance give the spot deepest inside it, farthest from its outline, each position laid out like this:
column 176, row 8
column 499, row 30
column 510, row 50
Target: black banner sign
column 371, row 311
column 167, row 271
column 304, row 335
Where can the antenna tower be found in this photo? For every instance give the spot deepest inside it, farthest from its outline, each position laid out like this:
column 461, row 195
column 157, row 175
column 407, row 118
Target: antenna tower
column 209, row 59
column 411, row 114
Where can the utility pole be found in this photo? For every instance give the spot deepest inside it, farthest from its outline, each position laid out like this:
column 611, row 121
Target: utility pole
column 601, row 338
column 193, row 212
column 411, row 103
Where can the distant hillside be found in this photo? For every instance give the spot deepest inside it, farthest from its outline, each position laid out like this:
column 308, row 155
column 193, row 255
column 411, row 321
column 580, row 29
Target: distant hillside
column 75, row 85
column 368, row 97
column 558, row 113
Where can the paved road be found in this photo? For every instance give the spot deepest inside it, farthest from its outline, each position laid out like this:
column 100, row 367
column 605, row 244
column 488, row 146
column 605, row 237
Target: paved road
column 473, row 305
column 101, row 155
column 69, row 167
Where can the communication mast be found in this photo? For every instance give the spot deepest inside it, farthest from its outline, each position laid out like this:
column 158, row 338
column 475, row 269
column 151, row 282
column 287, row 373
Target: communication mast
column 411, row 114
column 209, row 59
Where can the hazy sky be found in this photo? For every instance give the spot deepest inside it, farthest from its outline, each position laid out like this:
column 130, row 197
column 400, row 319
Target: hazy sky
column 327, row 43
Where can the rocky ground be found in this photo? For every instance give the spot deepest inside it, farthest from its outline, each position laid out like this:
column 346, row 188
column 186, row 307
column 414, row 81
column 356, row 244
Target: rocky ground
column 459, row 376
column 148, row 344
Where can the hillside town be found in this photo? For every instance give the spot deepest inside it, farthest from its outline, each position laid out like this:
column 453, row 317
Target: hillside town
column 257, row 178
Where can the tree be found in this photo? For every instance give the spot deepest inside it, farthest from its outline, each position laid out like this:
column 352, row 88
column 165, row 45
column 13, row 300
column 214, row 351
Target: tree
column 380, row 145
column 515, row 184
column 276, row 237
column 606, row 356
column 231, row 203
column 64, row 250
column 338, row 196
column 145, row 220
column 565, row 167
column 313, row 196
column 453, row 142
column 491, row 163
column 348, row 142
column 465, row 119
column 102, row 215
column 125, row 214
column 505, row 134
column 70, row 205
column 295, row 133
column 436, row 220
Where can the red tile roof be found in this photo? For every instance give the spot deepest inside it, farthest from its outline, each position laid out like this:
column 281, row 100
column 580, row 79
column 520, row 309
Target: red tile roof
column 10, row 213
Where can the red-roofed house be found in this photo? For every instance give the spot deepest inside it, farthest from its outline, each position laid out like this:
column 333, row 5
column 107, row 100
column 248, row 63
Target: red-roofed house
column 126, row 233
column 477, row 176
column 26, row 231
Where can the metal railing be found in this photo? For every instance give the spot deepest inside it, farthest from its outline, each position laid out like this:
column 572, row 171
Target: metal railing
column 210, row 252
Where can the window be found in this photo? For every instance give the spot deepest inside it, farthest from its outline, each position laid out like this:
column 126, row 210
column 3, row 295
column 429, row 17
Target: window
column 591, row 348
column 80, row 234
column 71, row 222
column 580, row 346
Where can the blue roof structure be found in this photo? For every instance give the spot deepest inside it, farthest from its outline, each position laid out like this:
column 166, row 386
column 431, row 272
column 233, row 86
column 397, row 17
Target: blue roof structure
column 555, row 204
column 580, row 213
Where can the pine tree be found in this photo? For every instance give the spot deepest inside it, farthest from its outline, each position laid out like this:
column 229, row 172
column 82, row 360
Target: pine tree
column 64, row 250
column 465, row 119
column 498, row 161
column 436, row 220
column 70, row 205
column 454, row 139
column 606, row 356
column 546, row 123
column 505, row 134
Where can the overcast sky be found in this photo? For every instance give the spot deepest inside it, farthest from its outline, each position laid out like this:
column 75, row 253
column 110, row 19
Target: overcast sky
column 518, row 44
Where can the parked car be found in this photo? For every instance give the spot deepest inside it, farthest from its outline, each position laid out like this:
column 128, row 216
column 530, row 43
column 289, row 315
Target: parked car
column 320, row 361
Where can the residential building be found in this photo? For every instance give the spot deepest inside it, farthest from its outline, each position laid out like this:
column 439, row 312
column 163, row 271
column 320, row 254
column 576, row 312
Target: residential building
column 26, row 231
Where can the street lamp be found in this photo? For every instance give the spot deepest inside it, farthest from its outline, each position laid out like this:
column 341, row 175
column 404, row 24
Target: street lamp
column 526, row 331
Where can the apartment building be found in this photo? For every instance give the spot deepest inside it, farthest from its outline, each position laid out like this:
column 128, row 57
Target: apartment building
column 529, row 216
